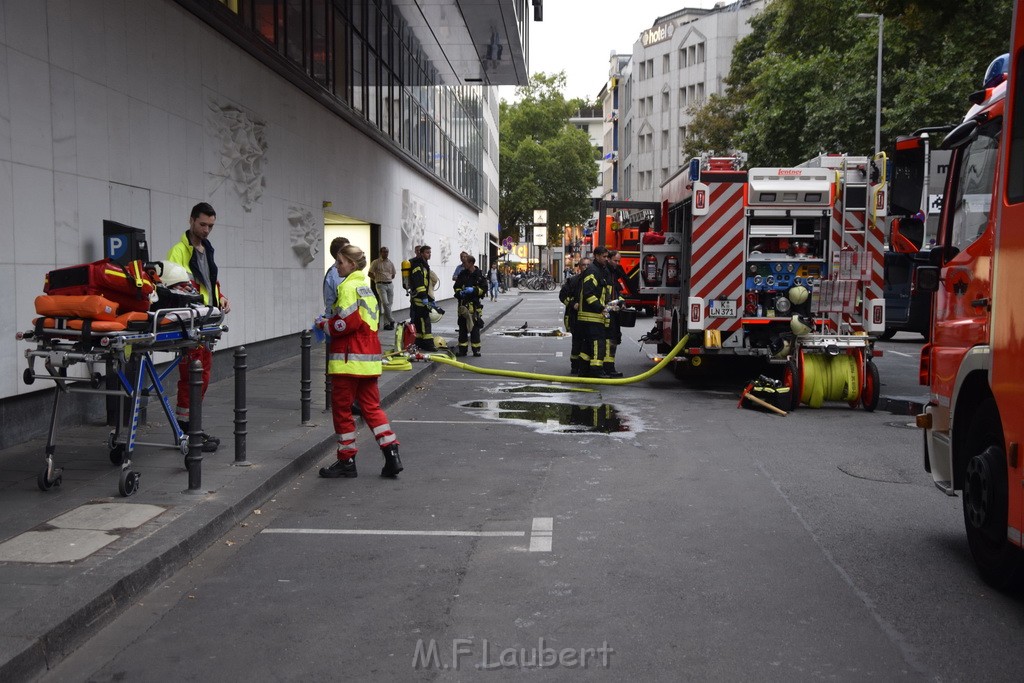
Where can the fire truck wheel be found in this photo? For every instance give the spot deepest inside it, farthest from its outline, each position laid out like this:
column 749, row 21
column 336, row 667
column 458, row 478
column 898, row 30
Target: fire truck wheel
column 791, row 379
column 888, row 334
column 985, row 501
column 872, row 389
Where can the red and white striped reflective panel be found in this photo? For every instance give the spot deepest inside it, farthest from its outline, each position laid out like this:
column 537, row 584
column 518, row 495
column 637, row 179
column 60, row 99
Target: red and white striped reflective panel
column 717, row 255
column 876, row 254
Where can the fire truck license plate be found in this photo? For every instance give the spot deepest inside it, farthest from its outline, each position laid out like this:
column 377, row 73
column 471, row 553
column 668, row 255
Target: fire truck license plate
column 722, row 309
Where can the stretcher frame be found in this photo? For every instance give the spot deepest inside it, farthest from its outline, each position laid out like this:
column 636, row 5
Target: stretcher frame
column 129, row 355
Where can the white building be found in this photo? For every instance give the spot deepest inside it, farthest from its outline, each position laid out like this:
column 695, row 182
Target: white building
column 296, row 121
column 677, row 63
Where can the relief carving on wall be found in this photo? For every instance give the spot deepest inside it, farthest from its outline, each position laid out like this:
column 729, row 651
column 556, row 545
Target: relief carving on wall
column 243, row 152
column 305, row 233
column 414, row 223
column 445, row 251
column 467, row 237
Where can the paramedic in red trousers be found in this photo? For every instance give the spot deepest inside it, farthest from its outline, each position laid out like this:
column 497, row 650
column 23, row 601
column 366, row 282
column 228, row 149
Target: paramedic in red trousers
column 195, row 253
column 354, row 364
column 422, row 299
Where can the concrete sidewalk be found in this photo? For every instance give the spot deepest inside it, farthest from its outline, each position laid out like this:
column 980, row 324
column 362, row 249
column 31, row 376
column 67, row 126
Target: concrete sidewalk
column 72, row 558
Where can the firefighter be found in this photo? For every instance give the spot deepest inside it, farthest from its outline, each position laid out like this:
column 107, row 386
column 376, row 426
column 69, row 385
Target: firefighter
column 422, row 298
column 354, row 364
column 569, row 295
column 470, row 287
column 592, row 320
column 617, row 276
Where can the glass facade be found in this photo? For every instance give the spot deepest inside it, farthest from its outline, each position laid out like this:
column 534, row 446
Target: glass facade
column 366, row 57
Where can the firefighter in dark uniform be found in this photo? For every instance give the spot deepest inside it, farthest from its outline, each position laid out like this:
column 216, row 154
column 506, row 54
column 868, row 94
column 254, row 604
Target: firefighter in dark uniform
column 592, row 319
column 569, row 295
column 470, row 287
column 617, row 276
column 422, row 300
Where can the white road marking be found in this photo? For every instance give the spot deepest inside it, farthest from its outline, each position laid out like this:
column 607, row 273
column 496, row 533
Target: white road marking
column 540, row 533
column 394, row 532
column 901, row 353
column 436, row 422
column 540, row 536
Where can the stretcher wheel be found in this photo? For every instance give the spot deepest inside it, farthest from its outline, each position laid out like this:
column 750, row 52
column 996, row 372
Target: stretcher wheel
column 117, row 454
column 183, row 444
column 27, row 376
column 872, row 389
column 44, row 481
column 111, row 440
column 96, row 380
column 129, row 482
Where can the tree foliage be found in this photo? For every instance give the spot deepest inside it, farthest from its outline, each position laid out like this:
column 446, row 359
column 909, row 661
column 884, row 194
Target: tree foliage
column 546, row 163
column 803, row 81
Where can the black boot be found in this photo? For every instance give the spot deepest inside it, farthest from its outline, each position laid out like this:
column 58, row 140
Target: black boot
column 592, row 371
column 575, row 367
column 210, row 443
column 610, row 371
column 392, row 463
column 340, row 468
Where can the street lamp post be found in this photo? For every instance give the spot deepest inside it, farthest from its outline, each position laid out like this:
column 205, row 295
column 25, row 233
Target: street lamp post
column 878, row 82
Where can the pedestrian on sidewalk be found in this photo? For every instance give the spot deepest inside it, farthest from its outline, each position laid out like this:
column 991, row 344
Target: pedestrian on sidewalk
column 493, row 278
column 382, row 273
column 354, row 364
column 195, row 252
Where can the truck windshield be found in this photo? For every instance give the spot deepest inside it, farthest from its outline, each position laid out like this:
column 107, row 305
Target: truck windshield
column 973, row 192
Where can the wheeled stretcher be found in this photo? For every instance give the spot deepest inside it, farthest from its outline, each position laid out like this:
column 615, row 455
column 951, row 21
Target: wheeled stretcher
column 125, row 346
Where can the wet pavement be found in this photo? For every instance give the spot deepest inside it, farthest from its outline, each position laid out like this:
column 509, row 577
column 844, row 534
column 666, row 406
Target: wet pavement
column 75, row 556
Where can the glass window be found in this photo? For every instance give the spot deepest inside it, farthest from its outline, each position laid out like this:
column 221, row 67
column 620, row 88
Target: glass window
column 293, row 32
column 265, row 19
column 972, row 196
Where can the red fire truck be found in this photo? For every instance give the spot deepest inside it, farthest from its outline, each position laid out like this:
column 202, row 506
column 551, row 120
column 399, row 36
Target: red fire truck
column 778, row 264
column 619, row 225
column 973, row 369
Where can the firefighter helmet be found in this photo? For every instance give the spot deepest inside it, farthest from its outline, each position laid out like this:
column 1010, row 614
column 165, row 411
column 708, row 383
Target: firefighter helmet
column 434, row 315
column 800, row 325
column 798, row 294
column 174, row 274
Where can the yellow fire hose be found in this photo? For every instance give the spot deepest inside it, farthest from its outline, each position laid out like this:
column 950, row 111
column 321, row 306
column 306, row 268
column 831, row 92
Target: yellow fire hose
column 829, row 378
column 565, row 379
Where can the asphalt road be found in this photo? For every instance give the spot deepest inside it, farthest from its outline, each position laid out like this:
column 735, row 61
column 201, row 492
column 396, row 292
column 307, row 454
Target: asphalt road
column 652, row 532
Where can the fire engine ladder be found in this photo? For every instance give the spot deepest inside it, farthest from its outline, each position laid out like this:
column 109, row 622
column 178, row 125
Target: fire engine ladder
column 849, row 270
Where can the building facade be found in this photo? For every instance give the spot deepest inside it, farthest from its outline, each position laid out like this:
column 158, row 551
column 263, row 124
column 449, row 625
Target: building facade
column 676, row 64
column 297, row 121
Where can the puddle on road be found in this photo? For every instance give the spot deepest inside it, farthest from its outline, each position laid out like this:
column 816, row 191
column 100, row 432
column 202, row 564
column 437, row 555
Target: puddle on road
column 541, row 389
column 556, row 418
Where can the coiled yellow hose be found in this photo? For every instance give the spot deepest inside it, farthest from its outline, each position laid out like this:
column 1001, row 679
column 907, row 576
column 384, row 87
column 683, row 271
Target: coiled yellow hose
column 829, row 378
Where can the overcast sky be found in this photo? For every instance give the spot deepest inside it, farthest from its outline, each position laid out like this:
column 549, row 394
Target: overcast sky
column 577, row 36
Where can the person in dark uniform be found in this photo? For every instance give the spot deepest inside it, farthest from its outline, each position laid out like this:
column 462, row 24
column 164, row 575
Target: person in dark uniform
column 617, row 276
column 470, row 287
column 569, row 295
column 422, row 299
column 592, row 319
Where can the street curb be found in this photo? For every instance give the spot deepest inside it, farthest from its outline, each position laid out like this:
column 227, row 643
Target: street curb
column 900, row 406
column 67, row 635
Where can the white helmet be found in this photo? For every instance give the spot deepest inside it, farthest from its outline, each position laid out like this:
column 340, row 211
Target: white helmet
column 173, row 273
column 175, row 276
column 798, row 294
column 434, row 315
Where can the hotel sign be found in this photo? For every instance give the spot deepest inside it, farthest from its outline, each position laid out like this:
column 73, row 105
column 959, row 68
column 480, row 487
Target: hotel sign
column 655, row 35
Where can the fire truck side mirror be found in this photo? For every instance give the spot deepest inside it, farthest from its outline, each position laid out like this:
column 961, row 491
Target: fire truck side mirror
column 927, row 278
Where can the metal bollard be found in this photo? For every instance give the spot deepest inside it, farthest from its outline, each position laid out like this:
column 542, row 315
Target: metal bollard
column 240, row 409
column 306, row 383
column 194, row 459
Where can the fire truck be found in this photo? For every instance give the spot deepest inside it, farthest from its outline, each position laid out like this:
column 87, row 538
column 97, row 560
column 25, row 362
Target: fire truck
column 973, row 422
column 619, row 225
column 784, row 265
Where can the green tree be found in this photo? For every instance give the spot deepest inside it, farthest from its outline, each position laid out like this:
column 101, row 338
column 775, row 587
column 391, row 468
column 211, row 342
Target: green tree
column 546, row 163
column 803, row 81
